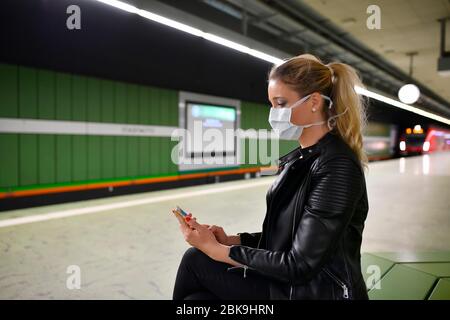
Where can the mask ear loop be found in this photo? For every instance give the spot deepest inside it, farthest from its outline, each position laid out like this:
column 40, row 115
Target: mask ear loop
column 329, row 107
column 333, row 118
column 299, row 102
column 330, row 104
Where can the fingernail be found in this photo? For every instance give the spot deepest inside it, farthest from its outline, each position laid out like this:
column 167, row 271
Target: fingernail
column 188, row 218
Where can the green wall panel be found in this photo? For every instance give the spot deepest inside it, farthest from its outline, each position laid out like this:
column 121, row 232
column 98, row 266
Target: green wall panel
column 154, row 106
column 165, row 152
column 8, row 91
column 254, row 115
column 132, row 103
column 46, row 94
column 143, row 105
column 63, row 97
column 9, row 170
column 46, row 158
column 144, row 156
column 28, row 94
column 107, row 101
column 94, row 157
column 93, row 100
column 120, row 103
column 287, row 145
column 107, row 151
column 132, row 152
column 154, row 155
column 79, row 158
column 246, row 146
column 120, row 157
column 42, row 94
column 28, row 159
column 63, row 158
column 173, row 105
column 164, row 107
column 79, row 98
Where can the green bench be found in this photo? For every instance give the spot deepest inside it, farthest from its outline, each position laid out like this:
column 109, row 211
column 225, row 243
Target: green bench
column 407, row 276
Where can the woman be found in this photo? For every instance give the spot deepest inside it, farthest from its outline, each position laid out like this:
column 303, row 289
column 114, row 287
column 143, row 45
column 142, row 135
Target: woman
column 309, row 247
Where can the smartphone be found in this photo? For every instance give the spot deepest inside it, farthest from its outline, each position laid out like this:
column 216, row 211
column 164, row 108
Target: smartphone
column 181, row 212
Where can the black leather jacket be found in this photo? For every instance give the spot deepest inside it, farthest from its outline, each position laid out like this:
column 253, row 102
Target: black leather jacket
column 309, row 247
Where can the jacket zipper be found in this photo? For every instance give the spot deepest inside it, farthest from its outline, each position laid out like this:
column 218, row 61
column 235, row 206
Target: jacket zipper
column 238, row 267
column 346, row 268
column 339, row 282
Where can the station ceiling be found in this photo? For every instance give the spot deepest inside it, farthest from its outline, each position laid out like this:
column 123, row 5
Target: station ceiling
column 407, row 26
column 336, row 30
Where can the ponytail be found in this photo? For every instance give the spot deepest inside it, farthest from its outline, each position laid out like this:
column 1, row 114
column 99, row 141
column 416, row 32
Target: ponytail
column 352, row 123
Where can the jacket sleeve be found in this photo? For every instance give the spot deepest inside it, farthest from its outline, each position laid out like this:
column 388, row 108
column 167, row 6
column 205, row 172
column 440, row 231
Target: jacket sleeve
column 335, row 188
column 250, row 239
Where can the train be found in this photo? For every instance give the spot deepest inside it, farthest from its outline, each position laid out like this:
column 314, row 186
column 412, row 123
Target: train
column 384, row 141
column 416, row 140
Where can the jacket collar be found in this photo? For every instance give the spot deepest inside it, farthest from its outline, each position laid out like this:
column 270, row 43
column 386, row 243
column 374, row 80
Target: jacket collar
column 300, row 152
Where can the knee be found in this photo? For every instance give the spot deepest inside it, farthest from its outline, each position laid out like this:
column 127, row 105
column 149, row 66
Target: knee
column 192, row 255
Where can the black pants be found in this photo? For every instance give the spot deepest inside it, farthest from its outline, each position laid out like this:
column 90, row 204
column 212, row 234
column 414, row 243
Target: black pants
column 201, row 278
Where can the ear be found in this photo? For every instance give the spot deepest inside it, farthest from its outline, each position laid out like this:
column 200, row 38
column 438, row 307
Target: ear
column 316, row 100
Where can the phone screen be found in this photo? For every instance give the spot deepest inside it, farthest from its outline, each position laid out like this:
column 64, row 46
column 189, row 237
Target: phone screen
column 181, row 211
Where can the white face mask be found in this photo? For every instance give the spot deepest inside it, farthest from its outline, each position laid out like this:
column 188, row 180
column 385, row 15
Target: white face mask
column 280, row 120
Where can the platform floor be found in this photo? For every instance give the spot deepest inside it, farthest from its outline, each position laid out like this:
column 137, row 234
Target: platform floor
column 129, row 247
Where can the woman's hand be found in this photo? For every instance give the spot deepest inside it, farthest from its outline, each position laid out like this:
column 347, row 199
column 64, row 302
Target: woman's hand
column 220, row 234
column 198, row 235
column 201, row 237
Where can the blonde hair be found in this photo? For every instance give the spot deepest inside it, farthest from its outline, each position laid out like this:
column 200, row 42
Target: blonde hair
column 307, row 74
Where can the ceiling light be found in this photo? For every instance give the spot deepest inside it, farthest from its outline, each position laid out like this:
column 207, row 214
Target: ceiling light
column 400, row 105
column 409, row 93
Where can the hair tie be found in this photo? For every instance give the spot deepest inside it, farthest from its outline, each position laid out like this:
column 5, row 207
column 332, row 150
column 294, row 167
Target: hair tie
column 333, row 78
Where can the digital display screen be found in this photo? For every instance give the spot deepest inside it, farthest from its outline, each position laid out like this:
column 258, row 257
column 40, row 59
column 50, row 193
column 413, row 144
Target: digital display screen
column 211, row 129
